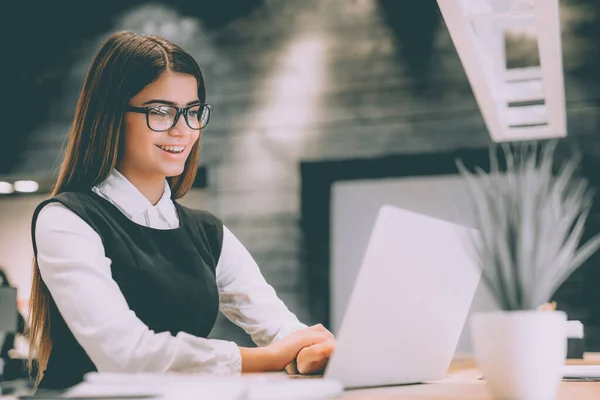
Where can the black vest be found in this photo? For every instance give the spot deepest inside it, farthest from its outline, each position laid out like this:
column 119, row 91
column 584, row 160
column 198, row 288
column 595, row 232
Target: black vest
column 167, row 277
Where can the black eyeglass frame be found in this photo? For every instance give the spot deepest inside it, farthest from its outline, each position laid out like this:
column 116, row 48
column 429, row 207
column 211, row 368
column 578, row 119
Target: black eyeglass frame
column 180, row 111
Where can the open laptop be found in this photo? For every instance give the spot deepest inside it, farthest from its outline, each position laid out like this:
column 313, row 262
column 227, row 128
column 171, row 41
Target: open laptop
column 409, row 303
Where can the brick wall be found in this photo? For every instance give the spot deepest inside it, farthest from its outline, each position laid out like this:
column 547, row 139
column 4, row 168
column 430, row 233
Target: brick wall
column 302, row 80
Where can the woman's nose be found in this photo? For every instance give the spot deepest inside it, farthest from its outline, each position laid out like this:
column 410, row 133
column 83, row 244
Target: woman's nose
column 181, row 128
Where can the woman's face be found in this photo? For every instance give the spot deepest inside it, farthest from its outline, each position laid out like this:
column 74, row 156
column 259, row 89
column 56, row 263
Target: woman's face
column 156, row 155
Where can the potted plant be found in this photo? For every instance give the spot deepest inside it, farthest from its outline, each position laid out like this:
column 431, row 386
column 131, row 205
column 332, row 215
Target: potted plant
column 529, row 220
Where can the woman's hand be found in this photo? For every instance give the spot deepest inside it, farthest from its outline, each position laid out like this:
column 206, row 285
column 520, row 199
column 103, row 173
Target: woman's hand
column 284, row 351
column 280, row 354
column 313, row 359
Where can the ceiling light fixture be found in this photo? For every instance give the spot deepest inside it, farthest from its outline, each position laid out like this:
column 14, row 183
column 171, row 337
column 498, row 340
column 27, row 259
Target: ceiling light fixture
column 512, row 54
column 26, row 186
column 6, row 187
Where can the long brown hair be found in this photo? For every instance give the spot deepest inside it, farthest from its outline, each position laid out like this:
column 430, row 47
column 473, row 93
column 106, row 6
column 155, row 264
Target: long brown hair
column 125, row 64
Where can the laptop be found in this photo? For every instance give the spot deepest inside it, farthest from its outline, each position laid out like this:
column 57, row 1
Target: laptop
column 409, row 303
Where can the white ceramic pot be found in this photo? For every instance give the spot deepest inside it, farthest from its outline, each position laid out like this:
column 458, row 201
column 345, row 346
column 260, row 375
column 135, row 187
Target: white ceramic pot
column 520, row 353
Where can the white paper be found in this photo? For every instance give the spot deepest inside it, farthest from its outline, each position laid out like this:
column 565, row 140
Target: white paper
column 163, row 386
column 581, row 371
column 170, row 386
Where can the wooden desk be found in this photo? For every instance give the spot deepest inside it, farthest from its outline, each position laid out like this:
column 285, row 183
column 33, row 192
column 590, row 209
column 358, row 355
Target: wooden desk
column 462, row 383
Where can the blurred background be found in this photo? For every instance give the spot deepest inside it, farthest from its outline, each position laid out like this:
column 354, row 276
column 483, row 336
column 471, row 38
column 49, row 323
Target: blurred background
column 323, row 111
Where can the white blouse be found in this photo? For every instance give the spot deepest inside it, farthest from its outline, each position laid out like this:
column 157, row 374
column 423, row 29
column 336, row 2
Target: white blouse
column 75, row 269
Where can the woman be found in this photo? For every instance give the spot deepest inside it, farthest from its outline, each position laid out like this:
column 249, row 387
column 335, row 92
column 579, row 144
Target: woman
column 126, row 279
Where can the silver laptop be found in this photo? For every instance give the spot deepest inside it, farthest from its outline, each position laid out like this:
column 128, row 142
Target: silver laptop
column 409, row 303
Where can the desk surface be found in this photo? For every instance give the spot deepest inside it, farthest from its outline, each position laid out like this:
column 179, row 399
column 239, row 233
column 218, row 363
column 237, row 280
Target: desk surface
column 462, row 383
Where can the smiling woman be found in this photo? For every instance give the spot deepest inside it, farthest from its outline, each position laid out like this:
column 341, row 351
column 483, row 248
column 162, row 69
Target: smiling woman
column 158, row 141
column 126, row 279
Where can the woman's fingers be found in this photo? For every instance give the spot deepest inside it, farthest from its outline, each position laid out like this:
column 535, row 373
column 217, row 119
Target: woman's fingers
column 311, row 335
column 315, row 337
column 313, row 359
column 323, row 349
column 320, row 328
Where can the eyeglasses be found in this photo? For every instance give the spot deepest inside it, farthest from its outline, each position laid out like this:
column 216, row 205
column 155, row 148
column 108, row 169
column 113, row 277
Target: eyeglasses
column 162, row 118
